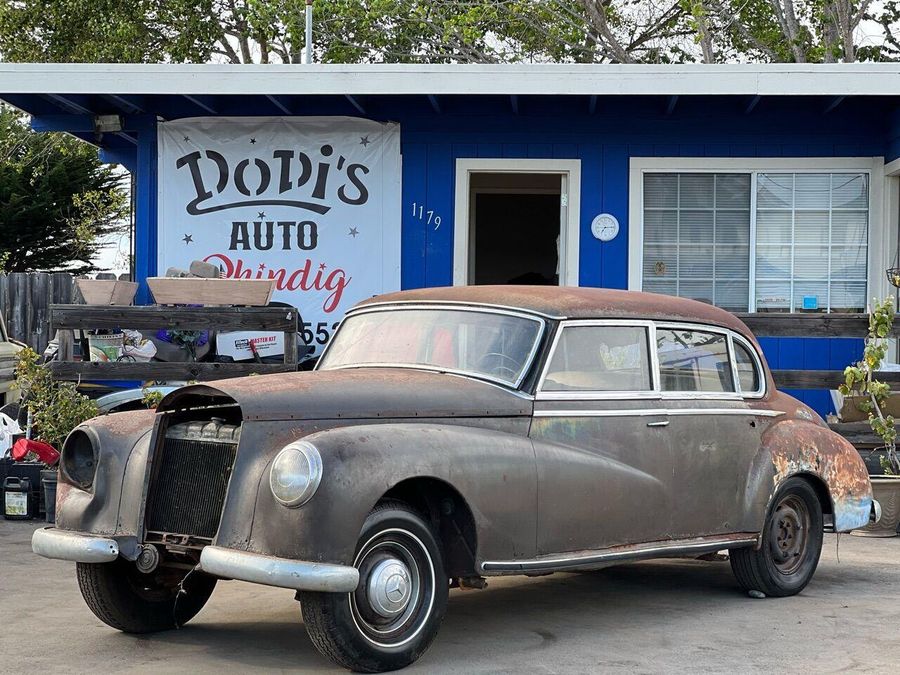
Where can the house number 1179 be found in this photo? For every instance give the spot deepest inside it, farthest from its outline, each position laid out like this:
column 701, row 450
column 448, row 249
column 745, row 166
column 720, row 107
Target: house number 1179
column 428, row 216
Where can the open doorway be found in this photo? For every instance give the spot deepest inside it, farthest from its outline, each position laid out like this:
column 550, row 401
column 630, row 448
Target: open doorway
column 514, row 228
column 516, row 222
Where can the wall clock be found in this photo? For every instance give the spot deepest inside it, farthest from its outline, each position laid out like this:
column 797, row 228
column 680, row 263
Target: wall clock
column 605, row 227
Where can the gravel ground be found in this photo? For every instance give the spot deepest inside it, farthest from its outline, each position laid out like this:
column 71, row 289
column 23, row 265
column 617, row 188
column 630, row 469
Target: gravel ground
column 662, row 616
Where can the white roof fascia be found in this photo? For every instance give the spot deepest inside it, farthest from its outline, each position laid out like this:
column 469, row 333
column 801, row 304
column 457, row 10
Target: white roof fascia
column 852, row 79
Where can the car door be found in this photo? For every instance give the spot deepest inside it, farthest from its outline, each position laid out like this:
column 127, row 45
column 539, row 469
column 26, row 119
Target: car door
column 603, row 460
column 713, row 433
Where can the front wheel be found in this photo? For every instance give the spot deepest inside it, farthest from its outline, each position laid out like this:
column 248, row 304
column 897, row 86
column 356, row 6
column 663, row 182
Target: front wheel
column 126, row 599
column 791, row 544
column 394, row 614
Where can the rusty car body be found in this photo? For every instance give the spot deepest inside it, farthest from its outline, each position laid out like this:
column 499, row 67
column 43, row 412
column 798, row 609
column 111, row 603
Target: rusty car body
column 446, row 436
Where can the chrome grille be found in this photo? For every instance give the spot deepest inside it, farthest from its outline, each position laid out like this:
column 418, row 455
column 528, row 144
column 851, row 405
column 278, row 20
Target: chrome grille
column 188, row 490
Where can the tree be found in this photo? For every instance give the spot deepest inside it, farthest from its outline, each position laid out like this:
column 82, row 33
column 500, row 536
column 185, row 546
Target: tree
column 56, row 200
column 799, row 31
column 447, row 31
column 346, row 31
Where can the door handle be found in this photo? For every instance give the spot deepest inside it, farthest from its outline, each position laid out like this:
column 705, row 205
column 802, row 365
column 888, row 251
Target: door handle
column 661, row 423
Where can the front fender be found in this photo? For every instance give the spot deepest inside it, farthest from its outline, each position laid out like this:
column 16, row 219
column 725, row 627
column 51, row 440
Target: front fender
column 110, row 506
column 795, row 447
column 493, row 470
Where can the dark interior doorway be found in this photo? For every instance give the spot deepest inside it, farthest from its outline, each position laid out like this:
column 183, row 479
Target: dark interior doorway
column 515, row 229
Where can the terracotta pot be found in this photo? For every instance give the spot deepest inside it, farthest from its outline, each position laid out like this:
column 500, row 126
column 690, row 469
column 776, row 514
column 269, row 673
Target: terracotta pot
column 887, row 491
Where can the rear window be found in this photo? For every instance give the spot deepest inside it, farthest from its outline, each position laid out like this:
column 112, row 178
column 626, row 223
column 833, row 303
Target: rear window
column 693, row 360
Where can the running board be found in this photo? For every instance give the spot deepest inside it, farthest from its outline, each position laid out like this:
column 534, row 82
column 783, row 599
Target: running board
column 587, row 559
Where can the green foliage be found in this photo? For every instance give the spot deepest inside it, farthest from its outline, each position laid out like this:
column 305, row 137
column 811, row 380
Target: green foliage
column 859, row 381
column 446, row 31
column 151, row 398
column 56, row 408
column 56, row 200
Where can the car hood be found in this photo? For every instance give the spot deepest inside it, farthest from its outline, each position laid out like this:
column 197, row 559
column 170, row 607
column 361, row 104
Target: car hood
column 355, row 393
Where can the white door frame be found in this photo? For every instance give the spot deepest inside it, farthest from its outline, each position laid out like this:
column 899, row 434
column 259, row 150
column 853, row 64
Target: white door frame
column 569, row 171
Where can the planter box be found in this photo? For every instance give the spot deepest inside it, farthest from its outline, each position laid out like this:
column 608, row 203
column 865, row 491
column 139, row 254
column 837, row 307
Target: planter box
column 103, row 292
column 196, row 291
column 850, row 413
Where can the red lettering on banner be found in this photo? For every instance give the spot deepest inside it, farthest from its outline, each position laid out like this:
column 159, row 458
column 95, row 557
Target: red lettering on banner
column 302, row 278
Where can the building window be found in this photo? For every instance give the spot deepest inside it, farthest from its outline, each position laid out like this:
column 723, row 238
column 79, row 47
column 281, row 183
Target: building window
column 758, row 241
column 811, row 242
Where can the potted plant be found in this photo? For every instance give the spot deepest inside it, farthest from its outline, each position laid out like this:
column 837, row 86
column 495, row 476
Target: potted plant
column 871, row 396
column 53, row 410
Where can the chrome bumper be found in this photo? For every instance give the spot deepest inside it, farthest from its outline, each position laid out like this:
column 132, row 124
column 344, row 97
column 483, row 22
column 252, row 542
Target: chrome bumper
column 84, row 548
column 270, row 571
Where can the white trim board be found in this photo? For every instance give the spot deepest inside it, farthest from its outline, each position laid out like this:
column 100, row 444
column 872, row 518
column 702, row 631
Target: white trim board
column 570, row 172
column 839, row 79
column 879, row 252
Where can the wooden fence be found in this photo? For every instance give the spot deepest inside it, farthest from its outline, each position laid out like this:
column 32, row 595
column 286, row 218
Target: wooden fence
column 814, row 326
column 25, row 300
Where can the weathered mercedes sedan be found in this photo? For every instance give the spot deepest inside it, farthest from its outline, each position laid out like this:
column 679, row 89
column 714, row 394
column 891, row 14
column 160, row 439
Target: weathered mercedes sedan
column 448, row 435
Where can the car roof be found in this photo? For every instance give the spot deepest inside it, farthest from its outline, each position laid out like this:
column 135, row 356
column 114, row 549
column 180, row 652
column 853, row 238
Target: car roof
column 570, row 302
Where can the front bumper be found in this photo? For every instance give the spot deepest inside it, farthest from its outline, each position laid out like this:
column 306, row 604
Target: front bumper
column 84, row 548
column 270, row 571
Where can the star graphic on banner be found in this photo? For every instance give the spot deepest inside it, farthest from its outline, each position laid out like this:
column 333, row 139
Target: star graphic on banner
column 187, row 140
column 353, row 232
column 364, row 141
column 321, row 266
column 261, row 215
column 262, row 266
column 252, row 141
column 187, row 239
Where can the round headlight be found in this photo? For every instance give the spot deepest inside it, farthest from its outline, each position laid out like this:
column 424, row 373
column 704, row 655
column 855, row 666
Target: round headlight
column 296, row 473
column 79, row 459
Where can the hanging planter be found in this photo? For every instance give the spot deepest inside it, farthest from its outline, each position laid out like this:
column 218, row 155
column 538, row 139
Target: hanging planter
column 893, row 273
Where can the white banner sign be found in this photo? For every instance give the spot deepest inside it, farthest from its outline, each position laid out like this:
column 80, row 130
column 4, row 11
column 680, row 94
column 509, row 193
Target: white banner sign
column 313, row 203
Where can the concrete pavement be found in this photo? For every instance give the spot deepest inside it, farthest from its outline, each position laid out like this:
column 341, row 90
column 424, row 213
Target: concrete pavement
column 662, row 616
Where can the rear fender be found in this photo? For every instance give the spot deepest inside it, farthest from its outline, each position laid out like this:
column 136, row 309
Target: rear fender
column 797, row 447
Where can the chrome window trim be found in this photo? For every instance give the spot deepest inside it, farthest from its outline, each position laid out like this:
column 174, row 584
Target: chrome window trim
column 704, row 328
column 760, row 371
column 656, row 393
column 474, row 309
column 652, row 393
column 658, row 412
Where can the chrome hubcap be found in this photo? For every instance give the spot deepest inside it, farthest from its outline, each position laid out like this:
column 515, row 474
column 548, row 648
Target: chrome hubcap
column 389, row 588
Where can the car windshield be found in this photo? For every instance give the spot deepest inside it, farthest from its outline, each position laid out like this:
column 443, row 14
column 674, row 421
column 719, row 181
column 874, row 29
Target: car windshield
column 487, row 344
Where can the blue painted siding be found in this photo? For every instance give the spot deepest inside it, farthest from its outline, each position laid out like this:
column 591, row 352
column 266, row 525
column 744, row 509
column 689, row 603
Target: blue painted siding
column 604, row 142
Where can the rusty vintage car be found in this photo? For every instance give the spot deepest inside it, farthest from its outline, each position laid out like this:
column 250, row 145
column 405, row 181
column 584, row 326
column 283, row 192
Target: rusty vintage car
column 448, row 435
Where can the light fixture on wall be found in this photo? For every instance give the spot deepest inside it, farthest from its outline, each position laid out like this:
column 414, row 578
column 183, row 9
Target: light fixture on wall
column 106, row 124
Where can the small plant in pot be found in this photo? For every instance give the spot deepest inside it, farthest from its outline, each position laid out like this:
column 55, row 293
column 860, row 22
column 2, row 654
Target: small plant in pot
column 871, row 396
column 53, row 410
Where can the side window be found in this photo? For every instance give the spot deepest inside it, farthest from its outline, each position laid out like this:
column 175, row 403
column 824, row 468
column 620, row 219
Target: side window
column 600, row 358
column 693, row 360
column 748, row 374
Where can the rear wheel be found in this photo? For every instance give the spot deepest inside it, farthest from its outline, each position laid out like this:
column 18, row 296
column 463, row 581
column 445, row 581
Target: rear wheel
column 126, row 599
column 396, row 610
column 791, row 544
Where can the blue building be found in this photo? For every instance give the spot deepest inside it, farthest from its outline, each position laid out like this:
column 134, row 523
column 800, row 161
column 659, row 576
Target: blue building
column 770, row 188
